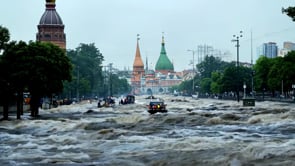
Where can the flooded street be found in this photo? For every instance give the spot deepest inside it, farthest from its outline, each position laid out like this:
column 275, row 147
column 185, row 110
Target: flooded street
column 192, row 132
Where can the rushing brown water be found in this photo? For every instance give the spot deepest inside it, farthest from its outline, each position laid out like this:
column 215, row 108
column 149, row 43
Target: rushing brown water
column 193, row 132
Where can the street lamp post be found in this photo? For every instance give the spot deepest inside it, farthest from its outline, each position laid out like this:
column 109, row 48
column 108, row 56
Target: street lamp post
column 110, row 79
column 104, row 82
column 237, row 40
column 252, row 72
column 193, row 88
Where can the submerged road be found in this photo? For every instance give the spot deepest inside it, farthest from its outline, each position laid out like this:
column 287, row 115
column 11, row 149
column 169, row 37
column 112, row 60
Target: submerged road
column 193, row 132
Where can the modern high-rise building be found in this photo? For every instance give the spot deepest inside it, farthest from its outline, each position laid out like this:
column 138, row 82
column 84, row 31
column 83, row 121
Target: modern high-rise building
column 51, row 27
column 289, row 46
column 269, row 50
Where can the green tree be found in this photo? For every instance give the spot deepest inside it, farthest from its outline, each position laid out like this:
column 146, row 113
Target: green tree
column 41, row 68
column 282, row 73
column 209, row 65
column 87, row 74
column 11, row 72
column 275, row 76
column 216, row 83
column 290, row 11
column 4, row 37
column 48, row 67
column 209, row 76
column 288, row 70
column 14, row 74
column 233, row 79
column 245, row 77
column 229, row 79
column 206, row 85
column 185, row 86
column 211, row 69
column 262, row 69
column 119, row 85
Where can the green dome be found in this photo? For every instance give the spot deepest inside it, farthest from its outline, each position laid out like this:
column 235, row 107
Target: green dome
column 163, row 62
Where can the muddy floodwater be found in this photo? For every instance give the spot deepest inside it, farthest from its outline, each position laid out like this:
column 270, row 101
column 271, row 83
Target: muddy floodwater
column 193, row 132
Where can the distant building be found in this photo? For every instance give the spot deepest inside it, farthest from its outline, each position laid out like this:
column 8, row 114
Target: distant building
column 154, row 81
column 287, row 47
column 283, row 52
column 269, row 50
column 51, row 27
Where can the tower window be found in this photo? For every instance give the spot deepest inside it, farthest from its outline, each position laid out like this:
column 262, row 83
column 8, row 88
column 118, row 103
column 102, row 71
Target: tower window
column 47, row 36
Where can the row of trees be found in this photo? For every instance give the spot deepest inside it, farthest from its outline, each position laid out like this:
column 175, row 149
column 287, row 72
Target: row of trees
column 216, row 76
column 90, row 77
column 87, row 71
column 273, row 75
column 45, row 70
column 38, row 68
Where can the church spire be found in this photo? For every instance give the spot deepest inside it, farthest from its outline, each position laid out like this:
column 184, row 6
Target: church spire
column 138, row 70
column 138, row 61
column 138, row 37
column 164, row 64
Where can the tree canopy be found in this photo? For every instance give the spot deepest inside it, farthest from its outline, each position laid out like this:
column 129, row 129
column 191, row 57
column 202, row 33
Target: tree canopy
column 216, row 77
column 210, row 64
column 4, row 37
column 39, row 68
column 87, row 74
column 290, row 11
column 90, row 77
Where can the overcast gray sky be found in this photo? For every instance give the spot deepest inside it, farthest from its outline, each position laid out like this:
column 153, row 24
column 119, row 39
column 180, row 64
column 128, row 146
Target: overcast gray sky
column 113, row 25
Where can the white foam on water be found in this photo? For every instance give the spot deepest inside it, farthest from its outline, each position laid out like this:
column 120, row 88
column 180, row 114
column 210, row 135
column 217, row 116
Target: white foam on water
column 262, row 150
column 134, row 118
column 259, row 133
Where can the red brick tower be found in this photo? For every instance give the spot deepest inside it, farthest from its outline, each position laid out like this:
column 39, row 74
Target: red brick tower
column 51, row 27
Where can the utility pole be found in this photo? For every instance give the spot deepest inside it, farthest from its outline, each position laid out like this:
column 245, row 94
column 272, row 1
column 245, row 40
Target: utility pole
column 252, row 74
column 78, row 82
column 193, row 88
column 104, row 82
column 111, row 86
column 237, row 40
column 199, row 53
